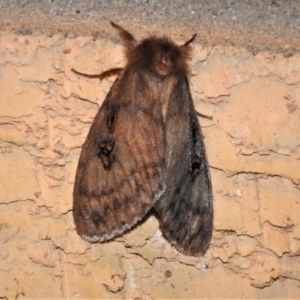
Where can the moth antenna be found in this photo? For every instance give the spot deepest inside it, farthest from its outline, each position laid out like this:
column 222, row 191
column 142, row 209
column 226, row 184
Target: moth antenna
column 127, row 38
column 189, row 41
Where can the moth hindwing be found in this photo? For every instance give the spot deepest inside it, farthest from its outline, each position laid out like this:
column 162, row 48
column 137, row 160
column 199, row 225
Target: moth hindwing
column 145, row 151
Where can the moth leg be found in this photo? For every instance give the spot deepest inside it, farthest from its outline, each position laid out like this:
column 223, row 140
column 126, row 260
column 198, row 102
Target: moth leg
column 204, row 116
column 110, row 72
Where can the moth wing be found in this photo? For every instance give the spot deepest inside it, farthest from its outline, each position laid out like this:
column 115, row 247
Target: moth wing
column 185, row 209
column 119, row 174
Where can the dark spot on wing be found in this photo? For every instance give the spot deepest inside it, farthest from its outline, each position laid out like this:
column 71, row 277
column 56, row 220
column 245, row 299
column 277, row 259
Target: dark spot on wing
column 97, row 218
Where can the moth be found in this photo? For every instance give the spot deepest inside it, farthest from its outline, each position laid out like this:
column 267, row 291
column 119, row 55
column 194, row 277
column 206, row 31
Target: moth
column 145, row 151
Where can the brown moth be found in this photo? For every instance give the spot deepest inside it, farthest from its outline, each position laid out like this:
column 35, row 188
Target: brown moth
column 145, row 151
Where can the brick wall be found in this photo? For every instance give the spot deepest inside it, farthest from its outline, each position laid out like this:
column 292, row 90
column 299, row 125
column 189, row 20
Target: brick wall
column 253, row 149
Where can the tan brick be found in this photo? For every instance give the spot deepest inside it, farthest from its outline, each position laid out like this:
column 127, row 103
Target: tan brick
column 17, row 177
column 216, row 76
column 236, row 205
column 22, row 99
column 276, row 240
column 253, row 150
column 279, row 199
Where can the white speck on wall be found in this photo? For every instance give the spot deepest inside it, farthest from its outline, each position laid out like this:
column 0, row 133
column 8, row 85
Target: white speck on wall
column 201, row 266
column 131, row 276
column 238, row 193
column 158, row 238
